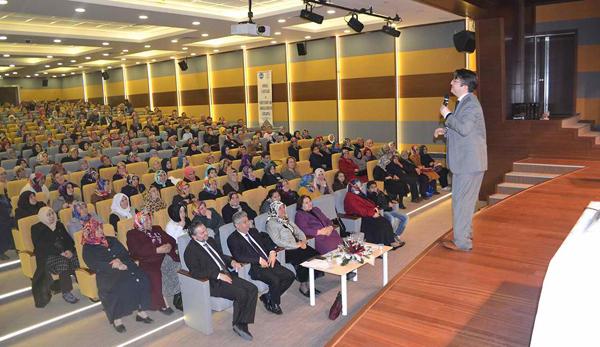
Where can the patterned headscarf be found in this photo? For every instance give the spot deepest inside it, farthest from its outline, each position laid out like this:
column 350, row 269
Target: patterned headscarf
column 180, row 185
column 36, row 180
column 140, row 218
column 102, row 187
column 208, row 186
column 157, row 178
column 90, row 236
column 130, row 177
column 76, row 215
column 152, row 205
column 189, row 173
column 307, row 182
column 274, row 211
column 62, row 190
column 246, row 173
column 354, row 187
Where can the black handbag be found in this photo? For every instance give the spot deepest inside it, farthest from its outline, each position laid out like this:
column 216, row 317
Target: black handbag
column 337, row 222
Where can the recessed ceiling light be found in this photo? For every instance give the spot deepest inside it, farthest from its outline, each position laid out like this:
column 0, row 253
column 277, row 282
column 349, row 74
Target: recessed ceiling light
column 53, row 76
column 3, row 2
column 143, row 16
column 307, row 37
column 80, row 10
column 105, row 54
column 73, row 61
column 153, row 60
column 72, row 73
column 196, row 23
column 281, row 20
column 125, row 50
column 193, row 54
column 6, row 74
column 243, row 46
column 36, row 74
column 80, row 67
column 137, row 62
column 88, row 58
column 277, row 33
column 331, row 11
column 204, row 35
column 2, row 37
column 215, row 50
column 147, row 46
column 62, row 74
column 346, row 31
column 174, row 41
column 172, row 57
column 11, row 65
column 57, row 40
column 273, row 42
column 45, row 73
column 28, row 76
column 59, row 64
column 105, row 43
column 14, row 73
column 49, row 57
column 109, row 67
column 46, row 66
column 6, row 55
column 185, row 48
column 123, row 59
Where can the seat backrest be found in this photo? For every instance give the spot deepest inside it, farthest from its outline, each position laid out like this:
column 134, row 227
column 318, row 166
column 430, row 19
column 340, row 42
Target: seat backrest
column 25, row 232
column 138, row 168
column 44, row 169
column 76, row 177
column 13, row 188
column 224, row 232
column 167, row 194
column 72, row 166
column 137, row 201
column 335, row 161
column 165, row 153
column 326, row 203
column 303, row 167
column 123, row 227
column 340, row 195
column 291, row 212
column 103, row 208
column 161, row 218
column 304, row 153
column 294, row 184
column 279, row 151
column 254, row 197
column 88, row 190
column 118, row 185
column 305, row 143
column 108, row 172
column 9, row 164
column 182, row 243
column 260, row 222
column 148, row 179
column 329, row 177
column 370, row 167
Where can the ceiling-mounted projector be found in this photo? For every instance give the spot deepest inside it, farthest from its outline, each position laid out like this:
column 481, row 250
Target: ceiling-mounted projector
column 250, row 29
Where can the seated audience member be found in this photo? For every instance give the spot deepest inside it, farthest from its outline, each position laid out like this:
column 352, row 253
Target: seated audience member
column 156, row 253
column 424, row 181
column 249, row 180
column 287, row 235
column 204, row 259
column 317, row 159
column 189, row 175
column 416, row 183
column 27, row 205
column 247, row 246
column 166, row 164
column 376, row 228
column 211, row 190
column 321, row 182
column 235, row 205
column 90, row 176
column 73, row 156
column 306, row 134
column 361, row 161
column 290, row 171
column 313, row 222
column 121, row 171
column 122, row 286
column 183, row 194
column 36, row 184
column 105, row 162
column 339, row 181
column 307, row 186
column 223, row 167
column 103, row 191
column 58, row 179
column 152, row 200
column 66, row 197
column 393, row 185
column 79, row 216
column 294, row 148
column 233, row 183
column 178, row 221
column 265, row 160
column 20, row 172
column 211, row 172
column 415, row 158
column 210, row 218
column 388, row 207
column 272, row 195
column 43, row 159
column 192, row 149
column 226, row 153
column 288, row 196
column 120, row 209
column 133, row 186
column 270, row 176
column 368, row 155
column 154, row 164
column 55, row 254
column 161, row 180
column 211, row 139
column 349, row 167
column 437, row 167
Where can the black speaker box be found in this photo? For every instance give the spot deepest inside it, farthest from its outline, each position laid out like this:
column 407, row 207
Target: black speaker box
column 105, row 75
column 44, row 83
column 464, row 41
column 301, row 46
column 183, row 65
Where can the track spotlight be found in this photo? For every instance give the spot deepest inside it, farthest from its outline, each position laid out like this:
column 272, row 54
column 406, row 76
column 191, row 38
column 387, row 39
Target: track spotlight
column 390, row 30
column 308, row 14
column 355, row 24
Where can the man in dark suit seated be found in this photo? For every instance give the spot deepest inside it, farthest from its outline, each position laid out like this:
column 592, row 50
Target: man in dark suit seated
column 205, row 260
column 247, row 246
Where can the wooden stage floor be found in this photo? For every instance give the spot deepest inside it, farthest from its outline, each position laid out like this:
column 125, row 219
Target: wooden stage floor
column 487, row 297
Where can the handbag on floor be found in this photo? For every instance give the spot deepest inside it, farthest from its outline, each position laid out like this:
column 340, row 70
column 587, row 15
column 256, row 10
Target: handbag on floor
column 336, row 308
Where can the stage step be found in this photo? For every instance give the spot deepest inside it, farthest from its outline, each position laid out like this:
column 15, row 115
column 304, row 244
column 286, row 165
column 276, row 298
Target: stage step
column 496, row 198
column 512, row 188
column 528, row 177
column 544, row 168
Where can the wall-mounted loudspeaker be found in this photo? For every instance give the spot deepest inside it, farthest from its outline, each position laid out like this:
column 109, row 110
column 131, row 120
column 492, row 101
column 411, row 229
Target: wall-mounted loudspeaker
column 105, row 75
column 44, row 83
column 183, row 65
column 464, row 41
column 301, row 46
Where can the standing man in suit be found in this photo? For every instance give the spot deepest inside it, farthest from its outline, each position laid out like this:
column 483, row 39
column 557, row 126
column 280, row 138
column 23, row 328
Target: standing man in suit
column 466, row 155
column 247, row 246
column 205, row 260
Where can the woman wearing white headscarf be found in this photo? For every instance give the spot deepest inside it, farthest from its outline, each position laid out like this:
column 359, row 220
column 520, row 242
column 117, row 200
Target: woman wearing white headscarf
column 286, row 234
column 120, row 209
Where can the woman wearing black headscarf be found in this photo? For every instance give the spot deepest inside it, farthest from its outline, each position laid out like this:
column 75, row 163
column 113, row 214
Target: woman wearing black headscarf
column 178, row 220
column 28, row 205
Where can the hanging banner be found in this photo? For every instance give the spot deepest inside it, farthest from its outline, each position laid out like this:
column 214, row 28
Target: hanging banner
column 265, row 97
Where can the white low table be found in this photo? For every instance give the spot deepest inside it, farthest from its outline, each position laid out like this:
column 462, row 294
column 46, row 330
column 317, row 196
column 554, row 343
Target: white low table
column 339, row 270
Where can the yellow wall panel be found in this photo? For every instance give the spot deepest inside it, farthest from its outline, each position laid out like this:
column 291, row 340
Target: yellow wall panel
column 193, row 81
column 277, row 73
column 313, row 70
column 567, row 11
column 115, row 88
column 366, row 110
column 231, row 112
column 324, row 110
column 430, row 147
column 374, row 65
column 420, row 109
column 94, row 91
column 589, row 108
column 279, row 113
column 198, row 110
column 163, row 84
column 429, row 61
column 228, row 78
column 136, row 87
column 75, row 93
column 40, row 94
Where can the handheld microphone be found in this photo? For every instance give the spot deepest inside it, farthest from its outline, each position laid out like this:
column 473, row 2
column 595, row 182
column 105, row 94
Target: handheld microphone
column 446, row 100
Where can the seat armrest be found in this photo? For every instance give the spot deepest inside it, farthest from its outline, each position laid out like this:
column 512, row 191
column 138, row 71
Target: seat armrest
column 188, row 274
column 348, row 216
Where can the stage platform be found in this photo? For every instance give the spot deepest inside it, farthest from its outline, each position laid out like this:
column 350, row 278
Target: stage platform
column 487, row 297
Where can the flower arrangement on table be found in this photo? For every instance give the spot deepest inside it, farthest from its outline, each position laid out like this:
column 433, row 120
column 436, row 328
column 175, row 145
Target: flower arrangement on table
column 352, row 250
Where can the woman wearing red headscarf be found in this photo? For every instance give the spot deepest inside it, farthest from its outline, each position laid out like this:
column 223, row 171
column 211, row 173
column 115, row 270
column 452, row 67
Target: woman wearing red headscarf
column 122, row 286
column 156, row 252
